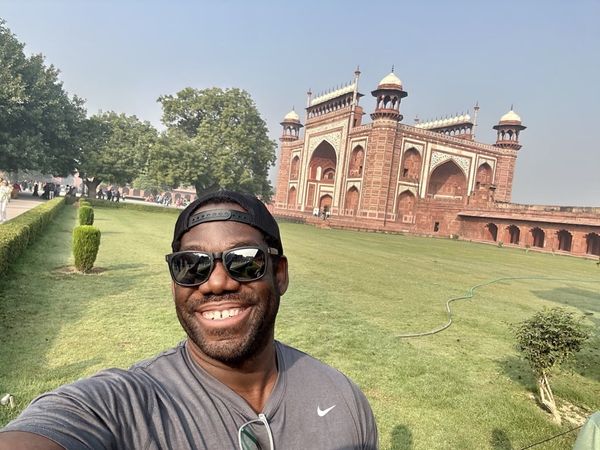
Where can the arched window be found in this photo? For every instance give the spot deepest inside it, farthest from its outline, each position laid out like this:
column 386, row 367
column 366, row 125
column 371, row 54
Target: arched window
column 405, row 206
column 513, row 234
column 411, row 165
column 565, row 240
column 484, row 175
column 355, row 167
column 325, row 203
column 292, row 196
column 295, row 168
column 538, row 236
column 352, row 198
column 325, row 158
column 447, row 180
column 592, row 241
column 491, row 232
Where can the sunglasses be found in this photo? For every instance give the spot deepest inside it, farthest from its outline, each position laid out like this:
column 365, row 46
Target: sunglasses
column 192, row 268
column 256, row 435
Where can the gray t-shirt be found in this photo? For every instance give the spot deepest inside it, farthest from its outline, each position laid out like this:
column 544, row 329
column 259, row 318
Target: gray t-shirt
column 169, row 402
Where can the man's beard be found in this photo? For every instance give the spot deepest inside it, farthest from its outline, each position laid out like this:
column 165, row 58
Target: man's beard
column 232, row 346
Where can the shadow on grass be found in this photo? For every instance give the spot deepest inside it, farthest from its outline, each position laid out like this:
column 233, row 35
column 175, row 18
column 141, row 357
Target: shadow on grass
column 500, row 440
column 401, row 438
column 519, row 371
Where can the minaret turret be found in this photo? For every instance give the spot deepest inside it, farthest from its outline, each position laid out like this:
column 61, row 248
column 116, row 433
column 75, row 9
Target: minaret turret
column 389, row 93
column 508, row 130
column 291, row 127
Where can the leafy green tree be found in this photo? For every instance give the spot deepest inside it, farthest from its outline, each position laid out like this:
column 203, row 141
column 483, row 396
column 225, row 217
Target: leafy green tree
column 40, row 124
column 215, row 139
column 115, row 150
column 546, row 340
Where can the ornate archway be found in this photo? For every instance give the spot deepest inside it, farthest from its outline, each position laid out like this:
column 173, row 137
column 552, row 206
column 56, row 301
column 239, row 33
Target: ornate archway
column 484, row 175
column 292, row 197
column 513, row 234
column 323, row 163
column 295, row 168
column 447, row 180
column 325, row 203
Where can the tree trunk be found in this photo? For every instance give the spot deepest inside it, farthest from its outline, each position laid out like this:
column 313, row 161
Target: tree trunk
column 91, row 186
column 547, row 398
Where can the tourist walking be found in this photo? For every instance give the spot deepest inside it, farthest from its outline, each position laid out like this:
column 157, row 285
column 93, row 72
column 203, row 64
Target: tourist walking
column 4, row 199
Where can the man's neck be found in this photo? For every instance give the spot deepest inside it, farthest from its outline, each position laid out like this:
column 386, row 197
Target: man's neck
column 253, row 380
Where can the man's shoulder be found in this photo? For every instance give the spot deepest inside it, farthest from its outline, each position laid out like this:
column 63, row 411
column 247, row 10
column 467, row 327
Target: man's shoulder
column 310, row 369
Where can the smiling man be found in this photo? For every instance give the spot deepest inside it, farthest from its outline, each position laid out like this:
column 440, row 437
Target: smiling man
column 230, row 385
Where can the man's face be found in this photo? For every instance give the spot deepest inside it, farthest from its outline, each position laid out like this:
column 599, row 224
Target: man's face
column 228, row 320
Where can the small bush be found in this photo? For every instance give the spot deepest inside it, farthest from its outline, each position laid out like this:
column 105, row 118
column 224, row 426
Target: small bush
column 84, row 203
column 86, row 242
column 86, row 215
column 500, row 244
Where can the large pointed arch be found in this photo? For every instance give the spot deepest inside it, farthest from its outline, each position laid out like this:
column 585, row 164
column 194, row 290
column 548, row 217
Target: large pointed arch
column 447, row 179
column 323, row 163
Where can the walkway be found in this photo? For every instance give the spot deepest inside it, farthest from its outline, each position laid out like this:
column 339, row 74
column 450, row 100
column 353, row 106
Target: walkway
column 24, row 203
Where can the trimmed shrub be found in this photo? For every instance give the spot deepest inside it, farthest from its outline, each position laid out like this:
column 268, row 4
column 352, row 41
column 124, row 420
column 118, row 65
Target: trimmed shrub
column 149, row 207
column 86, row 215
column 86, row 242
column 84, row 203
column 18, row 233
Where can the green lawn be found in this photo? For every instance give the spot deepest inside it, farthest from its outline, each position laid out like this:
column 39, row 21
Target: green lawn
column 351, row 295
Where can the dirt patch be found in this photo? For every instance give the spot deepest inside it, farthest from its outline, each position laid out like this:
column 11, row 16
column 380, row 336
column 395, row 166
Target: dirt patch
column 71, row 270
column 573, row 414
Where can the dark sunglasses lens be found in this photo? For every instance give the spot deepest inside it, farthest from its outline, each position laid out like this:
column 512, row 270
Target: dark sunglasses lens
column 190, row 268
column 246, row 264
column 254, row 436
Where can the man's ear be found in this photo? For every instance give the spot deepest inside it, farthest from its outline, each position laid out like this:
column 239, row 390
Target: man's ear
column 281, row 275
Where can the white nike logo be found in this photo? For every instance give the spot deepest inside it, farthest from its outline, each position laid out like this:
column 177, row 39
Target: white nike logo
column 322, row 412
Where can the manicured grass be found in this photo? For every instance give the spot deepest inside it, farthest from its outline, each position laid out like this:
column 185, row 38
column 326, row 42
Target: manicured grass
column 351, row 295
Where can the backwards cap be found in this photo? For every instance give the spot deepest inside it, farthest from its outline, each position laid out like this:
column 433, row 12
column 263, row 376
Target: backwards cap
column 257, row 215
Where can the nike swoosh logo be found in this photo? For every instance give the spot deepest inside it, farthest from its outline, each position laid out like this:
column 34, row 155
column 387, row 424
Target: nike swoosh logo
column 322, row 412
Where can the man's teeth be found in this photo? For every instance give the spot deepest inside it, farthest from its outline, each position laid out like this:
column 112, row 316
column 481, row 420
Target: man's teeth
column 220, row 315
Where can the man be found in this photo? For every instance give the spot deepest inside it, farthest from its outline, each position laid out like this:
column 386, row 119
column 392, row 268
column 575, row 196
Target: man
column 230, row 385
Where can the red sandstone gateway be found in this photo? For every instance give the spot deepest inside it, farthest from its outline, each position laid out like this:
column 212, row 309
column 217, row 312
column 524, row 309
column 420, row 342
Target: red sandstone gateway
column 430, row 178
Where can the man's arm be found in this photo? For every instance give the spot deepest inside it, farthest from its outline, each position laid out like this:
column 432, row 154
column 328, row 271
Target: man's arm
column 22, row 440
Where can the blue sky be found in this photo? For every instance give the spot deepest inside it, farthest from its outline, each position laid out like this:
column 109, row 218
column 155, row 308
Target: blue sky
column 541, row 56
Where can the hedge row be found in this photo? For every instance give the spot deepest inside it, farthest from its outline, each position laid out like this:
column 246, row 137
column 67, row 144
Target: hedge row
column 21, row 231
column 131, row 206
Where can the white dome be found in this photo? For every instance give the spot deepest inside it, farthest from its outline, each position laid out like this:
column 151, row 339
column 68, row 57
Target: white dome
column 391, row 78
column 510, row 116
column 292, row 115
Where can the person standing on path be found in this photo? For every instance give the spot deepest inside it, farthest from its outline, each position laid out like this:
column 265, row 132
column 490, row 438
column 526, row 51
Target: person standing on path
column 5, row 190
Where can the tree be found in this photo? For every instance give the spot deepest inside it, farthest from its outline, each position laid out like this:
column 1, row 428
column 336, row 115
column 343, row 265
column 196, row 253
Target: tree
column 116, row 149
column 39, row 124
column 545, row 340
column 215, row 139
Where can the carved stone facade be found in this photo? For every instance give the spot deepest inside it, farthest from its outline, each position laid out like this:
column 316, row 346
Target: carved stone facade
column 432, row 178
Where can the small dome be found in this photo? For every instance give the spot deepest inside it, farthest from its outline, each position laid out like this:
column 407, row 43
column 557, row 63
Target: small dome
column 510, row 116
column 292, row 115
column 391, row 80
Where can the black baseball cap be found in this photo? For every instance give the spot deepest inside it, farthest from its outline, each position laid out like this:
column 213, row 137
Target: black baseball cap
column 257, row 215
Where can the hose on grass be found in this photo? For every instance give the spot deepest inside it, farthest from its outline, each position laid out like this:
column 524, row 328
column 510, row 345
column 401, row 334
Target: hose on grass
column 471, row 292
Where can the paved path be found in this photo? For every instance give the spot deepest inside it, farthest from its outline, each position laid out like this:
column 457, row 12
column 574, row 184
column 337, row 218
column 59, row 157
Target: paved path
column 24, row 203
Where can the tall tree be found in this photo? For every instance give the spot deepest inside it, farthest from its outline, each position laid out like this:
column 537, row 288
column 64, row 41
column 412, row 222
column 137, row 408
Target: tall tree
column 116, row 149
column 40, row 124
column 215, row 139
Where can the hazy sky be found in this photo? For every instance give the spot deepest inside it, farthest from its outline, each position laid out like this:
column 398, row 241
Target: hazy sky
column 541, row 56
